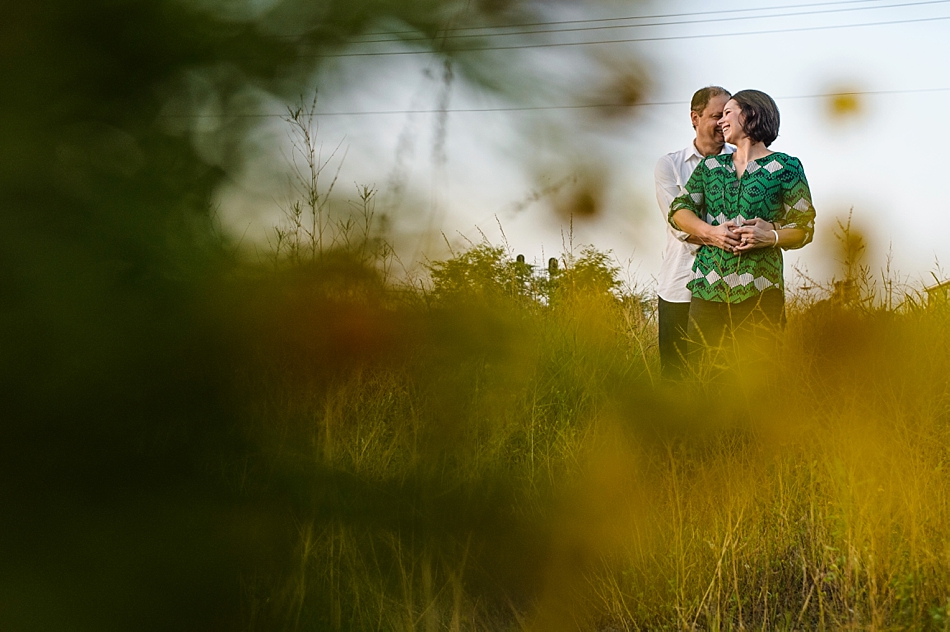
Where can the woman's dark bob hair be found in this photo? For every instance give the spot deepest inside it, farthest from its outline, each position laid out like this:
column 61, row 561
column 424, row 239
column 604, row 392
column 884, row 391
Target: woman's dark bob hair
column 760, row 114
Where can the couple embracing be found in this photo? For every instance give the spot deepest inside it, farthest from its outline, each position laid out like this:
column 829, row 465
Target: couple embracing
column 731, row 205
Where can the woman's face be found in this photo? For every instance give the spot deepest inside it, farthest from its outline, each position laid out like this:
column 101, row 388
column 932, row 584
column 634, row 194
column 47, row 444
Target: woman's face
column 731, row 122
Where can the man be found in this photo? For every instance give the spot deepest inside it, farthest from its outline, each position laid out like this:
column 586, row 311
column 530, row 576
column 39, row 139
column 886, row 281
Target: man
column 672, row 173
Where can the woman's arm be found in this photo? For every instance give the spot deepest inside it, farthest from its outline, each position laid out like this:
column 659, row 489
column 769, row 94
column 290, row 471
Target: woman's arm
column 722, row 236
column 687, row 209
column 798, row 211
column 758, row 233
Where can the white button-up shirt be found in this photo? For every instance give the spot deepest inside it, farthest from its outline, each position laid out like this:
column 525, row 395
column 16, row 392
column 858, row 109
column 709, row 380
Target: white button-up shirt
column 671, row 174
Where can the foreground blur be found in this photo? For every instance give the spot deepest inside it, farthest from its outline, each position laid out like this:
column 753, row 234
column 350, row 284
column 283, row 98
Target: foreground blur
column 129, row 327
column 500, row 455
column 192, row 441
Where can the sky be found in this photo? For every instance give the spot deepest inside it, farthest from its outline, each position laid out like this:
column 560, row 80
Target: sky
column 494, row 172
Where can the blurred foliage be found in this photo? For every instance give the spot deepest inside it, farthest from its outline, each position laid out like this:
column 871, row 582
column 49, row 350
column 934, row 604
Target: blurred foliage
column 508, row 462
column 429, row 472
column 129, row 320
column 193, row 441
column 844, row 102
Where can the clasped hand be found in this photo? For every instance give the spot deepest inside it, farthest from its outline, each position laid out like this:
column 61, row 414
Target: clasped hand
column 736, row 238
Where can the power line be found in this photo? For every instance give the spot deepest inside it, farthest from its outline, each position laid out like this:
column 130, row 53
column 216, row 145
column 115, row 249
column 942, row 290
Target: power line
column 631, row 17
column 652, row 24
column 863, row 93
column 533, row 108
column 634, row 39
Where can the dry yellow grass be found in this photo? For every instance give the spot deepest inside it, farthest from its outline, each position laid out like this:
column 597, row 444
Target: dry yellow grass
column 516, row 464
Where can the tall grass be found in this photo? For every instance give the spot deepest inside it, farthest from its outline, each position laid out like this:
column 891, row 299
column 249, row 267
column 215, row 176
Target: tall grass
column 504, row 457
column 491, row 448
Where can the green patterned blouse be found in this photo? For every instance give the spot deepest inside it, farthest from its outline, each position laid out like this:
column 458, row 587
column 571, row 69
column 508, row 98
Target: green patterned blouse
column 774, row 188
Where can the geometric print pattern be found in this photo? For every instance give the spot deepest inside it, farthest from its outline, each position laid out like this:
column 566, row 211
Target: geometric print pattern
column 773, row 188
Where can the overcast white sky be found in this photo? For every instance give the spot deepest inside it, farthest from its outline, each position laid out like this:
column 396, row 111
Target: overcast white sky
column 886, row 161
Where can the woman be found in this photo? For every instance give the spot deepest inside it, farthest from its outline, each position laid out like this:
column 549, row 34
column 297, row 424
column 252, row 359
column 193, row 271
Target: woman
column 746, row 207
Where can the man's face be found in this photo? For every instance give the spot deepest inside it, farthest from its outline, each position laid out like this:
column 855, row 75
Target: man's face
column 707, row 123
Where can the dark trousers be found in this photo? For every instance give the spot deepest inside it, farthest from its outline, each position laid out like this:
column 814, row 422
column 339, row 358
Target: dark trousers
column 674, row 321
column 752, row 323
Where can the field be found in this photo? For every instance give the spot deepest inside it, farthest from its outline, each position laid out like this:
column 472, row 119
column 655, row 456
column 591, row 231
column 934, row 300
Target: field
column 493, row 450
column 200, row 431
column 317, row 439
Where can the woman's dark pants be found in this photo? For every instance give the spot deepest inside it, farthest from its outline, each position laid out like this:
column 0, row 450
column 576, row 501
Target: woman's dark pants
column 673, row 320
column 752, row 322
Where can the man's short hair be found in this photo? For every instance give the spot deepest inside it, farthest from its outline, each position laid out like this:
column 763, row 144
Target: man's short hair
column 703, row 95
column 761, row 118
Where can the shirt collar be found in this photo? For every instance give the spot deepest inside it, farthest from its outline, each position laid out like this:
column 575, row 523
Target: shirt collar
column 694, row 153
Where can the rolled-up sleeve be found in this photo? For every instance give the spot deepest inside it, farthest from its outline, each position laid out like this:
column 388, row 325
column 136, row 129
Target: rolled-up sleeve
column 667, row 188
column 797, row 209
column 692, row 197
